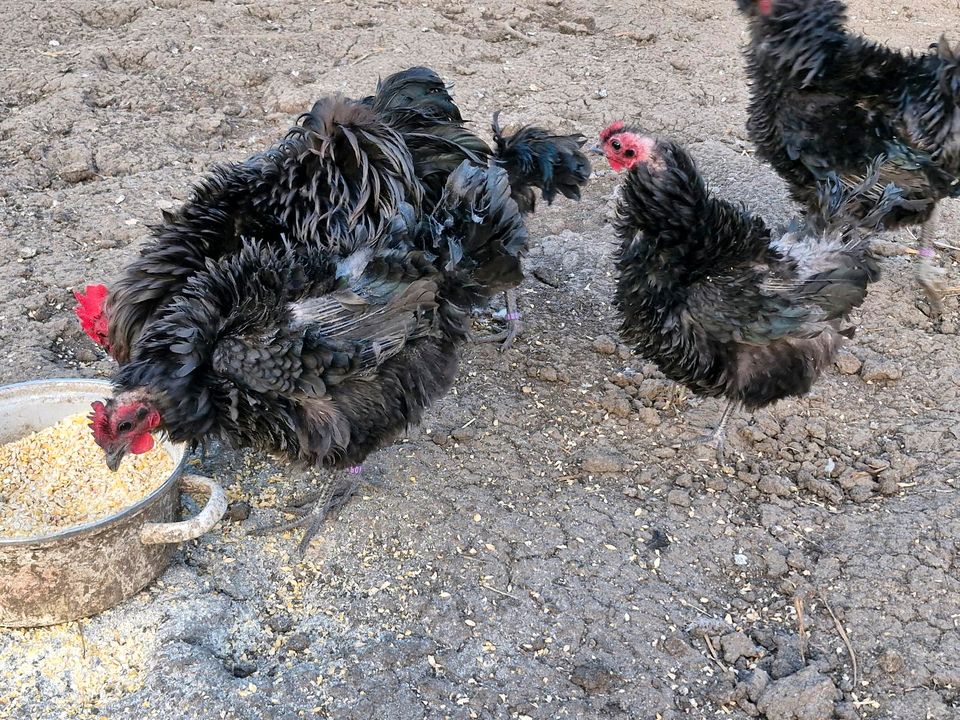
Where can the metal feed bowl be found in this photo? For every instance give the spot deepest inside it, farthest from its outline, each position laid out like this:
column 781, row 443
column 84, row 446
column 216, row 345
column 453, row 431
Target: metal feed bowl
column 88, row 568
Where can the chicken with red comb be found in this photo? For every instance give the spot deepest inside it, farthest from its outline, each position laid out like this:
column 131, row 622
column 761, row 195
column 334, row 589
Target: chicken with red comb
column 317, row 357
column 719, row 301
column 93, row 318
column 125, row 424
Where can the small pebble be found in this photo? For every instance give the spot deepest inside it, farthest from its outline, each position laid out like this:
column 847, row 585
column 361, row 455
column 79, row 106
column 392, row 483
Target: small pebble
column 548, row 373
column 605, row 345
column 848, row 363
column 602, row 463
column 592, row 676
column 617, row 405
column 649, row 416
column 463, row 434
column 280, row 623
column 547, row 276
column 298, row 642
column 238, row 511
column 891, row 661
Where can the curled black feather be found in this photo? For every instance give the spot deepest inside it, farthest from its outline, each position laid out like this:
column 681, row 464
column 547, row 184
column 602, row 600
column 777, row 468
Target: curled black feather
column 338, row 178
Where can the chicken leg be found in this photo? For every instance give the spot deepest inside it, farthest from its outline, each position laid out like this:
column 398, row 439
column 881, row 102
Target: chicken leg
column 512, row 320
column 931, row 277
column 313, row 509
column 718, row 436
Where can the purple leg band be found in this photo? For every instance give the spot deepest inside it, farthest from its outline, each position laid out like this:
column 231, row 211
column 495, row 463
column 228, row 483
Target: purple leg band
column 926, row 252
column 355, row 470
column 512, row 316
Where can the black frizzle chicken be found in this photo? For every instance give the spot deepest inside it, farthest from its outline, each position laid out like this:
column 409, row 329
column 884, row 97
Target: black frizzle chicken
column 318, row 356
column 338, row 178
column 719, row 303
column 345, row 166
column 825, row 100
column 417, row 103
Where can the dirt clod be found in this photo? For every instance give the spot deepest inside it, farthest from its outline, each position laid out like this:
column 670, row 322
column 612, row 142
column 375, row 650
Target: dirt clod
column 593, row 676
column 848, row 363
column 238, row 511
column 737, row 645
column 890, row 661
column 602, row 463
column 880, row 371
column 804, row 695
column 605, row 345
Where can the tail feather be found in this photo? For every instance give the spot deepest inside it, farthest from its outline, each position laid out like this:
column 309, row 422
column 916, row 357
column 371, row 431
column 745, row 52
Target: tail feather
column 948, row 73
column 92, row 315
column 843, row 207
column 533, row 158
column 837, row 264
column 478, row 233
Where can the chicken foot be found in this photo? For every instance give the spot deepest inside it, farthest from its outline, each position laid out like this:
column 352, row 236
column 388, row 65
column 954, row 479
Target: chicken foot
column 512, row 320
column 313, row 509
column 930, row 276
column 717, row 437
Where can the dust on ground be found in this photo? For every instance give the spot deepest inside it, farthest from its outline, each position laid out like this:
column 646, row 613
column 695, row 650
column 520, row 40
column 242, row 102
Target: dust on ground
column 539, row 548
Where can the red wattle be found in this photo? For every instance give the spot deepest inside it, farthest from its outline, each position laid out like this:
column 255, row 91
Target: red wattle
column 143, row 443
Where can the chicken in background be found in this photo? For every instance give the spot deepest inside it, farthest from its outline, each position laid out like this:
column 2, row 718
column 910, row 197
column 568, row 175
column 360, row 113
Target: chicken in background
column 319, row 357
column 826, row 100
column 717, row 301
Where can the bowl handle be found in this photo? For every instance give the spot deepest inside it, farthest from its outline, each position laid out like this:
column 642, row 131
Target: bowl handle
column 176, row 532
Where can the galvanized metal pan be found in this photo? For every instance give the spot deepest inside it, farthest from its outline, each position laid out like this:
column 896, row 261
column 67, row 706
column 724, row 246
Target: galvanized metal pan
column 89, row 568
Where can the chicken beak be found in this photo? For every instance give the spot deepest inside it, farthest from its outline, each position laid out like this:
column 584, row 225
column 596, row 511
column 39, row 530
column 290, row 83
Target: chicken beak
column 596, row 150
column 114, row 457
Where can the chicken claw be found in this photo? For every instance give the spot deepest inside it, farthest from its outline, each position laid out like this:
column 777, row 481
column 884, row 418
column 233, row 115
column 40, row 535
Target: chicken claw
column 716, row 438
column 514, row 327
column 313, row 509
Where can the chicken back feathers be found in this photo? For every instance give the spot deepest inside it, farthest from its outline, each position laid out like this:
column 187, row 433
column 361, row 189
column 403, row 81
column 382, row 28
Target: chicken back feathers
column 338, row 179
column 417, row 104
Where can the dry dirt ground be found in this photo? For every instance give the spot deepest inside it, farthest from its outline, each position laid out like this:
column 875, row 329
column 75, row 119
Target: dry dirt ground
column 538, row 548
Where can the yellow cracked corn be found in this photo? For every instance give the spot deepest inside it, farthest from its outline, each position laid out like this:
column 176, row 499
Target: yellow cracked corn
column 55, row 478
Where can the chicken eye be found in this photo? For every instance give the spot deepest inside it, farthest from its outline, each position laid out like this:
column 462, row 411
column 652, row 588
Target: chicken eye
column 630, row 153
column 616, row 145
column 125, row 426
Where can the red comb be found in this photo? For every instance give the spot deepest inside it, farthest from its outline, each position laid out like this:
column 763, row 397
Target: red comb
column 100, row 422
column 90, row 312
column 612, row 129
